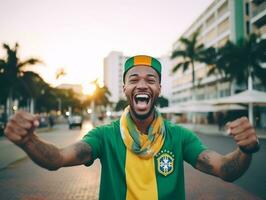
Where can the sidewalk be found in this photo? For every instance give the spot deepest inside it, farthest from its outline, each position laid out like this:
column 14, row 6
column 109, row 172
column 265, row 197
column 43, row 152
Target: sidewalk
column 10, row 153
column 213, row 130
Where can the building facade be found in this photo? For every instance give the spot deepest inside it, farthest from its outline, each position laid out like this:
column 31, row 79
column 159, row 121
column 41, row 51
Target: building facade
column 223, row 20
column 113, row 75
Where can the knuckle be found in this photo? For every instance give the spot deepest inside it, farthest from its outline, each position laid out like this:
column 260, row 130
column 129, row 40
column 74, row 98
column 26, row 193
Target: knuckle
column 17, row 114
column 237, row 139
column 23, row 132
column 13, row 121
column 20, row 112
column 248, row 125
column 13, row 117
column 252, row 131
column 244, row 118
column 254, row 138
column 27, row 125
column 7, row 127
column 6, row 132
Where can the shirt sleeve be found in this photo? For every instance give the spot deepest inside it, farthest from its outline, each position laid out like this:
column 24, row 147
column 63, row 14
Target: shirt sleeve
column 192, row 147
column 94, row 139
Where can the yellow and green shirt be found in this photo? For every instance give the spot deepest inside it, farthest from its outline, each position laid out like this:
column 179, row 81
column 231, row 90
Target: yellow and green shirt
column 124, row 175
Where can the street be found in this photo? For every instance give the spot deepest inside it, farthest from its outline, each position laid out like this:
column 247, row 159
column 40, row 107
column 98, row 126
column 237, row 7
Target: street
column 24, row 180
column 254, row 180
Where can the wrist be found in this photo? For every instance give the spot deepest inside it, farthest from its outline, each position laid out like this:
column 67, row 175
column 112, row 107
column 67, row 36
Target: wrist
column 27, row 141
column 250, row 150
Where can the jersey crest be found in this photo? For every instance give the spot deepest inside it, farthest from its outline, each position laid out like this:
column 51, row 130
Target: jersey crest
column 165, row 162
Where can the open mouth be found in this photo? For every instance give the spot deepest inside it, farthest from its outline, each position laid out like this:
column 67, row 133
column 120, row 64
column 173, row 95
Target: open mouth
column 142, row 101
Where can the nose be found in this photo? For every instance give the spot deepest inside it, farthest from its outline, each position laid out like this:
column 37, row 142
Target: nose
column 142, row 84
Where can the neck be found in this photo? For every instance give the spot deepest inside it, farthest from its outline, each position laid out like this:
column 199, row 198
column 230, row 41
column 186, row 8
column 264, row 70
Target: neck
column 143, row 124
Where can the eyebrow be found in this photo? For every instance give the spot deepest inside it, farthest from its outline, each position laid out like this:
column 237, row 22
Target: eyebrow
column 151, row 75
column 134, row 75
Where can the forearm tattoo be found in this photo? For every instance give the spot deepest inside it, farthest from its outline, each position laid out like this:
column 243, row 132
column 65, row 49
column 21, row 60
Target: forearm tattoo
column 44, row 154
column 232, row 166
column 204, row 162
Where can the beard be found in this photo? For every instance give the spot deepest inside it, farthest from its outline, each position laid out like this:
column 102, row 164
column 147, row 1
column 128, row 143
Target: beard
column 142, row 116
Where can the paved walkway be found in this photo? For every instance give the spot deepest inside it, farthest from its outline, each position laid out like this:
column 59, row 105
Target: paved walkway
column 9, row 153
column 24, row 180
column 27, row 181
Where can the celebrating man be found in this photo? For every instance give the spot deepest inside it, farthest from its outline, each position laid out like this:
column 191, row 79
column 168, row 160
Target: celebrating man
column 141, row 154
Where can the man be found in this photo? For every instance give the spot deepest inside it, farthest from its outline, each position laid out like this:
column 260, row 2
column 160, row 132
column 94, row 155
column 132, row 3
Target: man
column 141, row 154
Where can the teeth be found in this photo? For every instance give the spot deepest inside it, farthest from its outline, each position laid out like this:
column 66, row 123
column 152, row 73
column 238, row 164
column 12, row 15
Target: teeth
column 142, row 96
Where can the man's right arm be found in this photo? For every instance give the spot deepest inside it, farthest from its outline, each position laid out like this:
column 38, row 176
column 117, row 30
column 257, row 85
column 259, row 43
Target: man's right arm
column 20, row 130
column 51, row 157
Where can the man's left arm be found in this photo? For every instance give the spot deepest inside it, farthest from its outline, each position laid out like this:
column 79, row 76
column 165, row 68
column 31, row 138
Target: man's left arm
column 233, row 165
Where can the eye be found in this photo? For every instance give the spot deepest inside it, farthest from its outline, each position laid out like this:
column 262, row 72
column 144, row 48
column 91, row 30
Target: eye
column 133, row 80
column 151, row 81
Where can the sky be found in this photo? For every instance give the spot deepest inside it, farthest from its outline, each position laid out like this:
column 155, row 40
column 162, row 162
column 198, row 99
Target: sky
column 77, row 34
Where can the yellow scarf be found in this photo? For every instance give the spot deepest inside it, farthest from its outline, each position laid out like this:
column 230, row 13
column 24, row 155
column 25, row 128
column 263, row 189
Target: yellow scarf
column 145, row 146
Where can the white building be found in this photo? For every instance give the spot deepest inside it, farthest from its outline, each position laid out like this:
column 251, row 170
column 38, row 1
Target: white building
column 113, row 72
column 223, row 20
column 166, row 90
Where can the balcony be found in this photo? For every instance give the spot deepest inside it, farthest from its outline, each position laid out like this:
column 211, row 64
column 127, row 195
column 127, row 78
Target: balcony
column 259, row 15
column 257, row 1
column 258, row 9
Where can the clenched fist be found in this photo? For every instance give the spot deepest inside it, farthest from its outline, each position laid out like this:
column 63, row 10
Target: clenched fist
column 244, row 134
column 20, row 127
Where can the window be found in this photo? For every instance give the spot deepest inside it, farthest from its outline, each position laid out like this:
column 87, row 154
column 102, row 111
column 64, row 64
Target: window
column 223, row 9
column 247, row 28
column 210, row 20
column 247, row 9
column 223, row 26
column 211, row 35
column 223, row 41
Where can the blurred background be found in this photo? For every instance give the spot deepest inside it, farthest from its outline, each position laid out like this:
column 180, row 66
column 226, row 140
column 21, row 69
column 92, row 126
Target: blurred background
column 63, row 60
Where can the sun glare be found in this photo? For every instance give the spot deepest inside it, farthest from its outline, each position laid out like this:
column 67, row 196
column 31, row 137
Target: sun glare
column 89, row 89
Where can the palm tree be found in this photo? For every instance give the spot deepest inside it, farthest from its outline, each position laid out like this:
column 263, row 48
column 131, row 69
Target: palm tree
column 12, row 71
column 162, row 102
column 60, row 72
column 121, row 104
column 190, row 52
column 242, row 61
column 101, row 94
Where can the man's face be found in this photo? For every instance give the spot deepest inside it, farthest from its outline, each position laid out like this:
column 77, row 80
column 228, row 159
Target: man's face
column 142, row 88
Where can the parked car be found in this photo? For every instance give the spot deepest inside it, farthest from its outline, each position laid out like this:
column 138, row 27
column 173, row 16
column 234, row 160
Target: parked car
column 75, row 120
column 43, row 121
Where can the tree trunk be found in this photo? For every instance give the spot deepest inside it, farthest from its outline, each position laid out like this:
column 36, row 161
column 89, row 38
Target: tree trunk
column 193, row 81
column 9, row 104
column 193, row 90
column 250, row 105
column 32, row 106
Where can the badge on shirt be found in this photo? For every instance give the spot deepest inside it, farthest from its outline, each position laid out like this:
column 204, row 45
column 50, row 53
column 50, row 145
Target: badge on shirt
column 165, row 162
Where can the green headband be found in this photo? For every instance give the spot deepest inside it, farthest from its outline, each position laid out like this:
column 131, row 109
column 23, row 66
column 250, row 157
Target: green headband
column 142, row 60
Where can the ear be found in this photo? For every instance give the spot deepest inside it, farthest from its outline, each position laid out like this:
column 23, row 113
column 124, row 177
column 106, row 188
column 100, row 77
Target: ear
column 124, row 88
